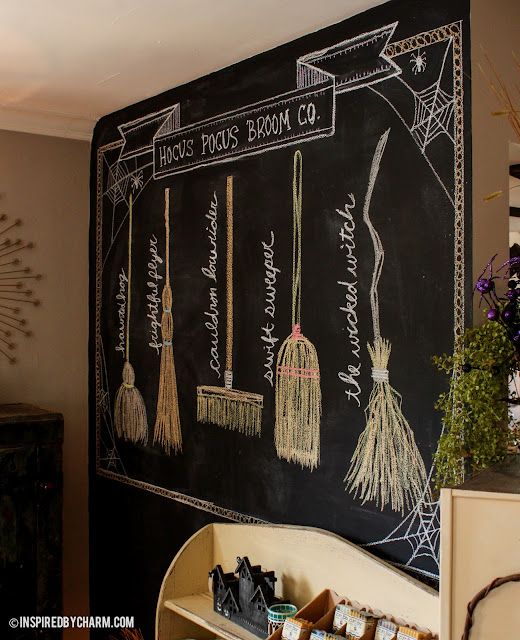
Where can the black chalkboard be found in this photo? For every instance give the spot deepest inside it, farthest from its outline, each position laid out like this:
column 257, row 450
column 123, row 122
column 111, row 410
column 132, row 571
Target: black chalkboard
column 400, row 68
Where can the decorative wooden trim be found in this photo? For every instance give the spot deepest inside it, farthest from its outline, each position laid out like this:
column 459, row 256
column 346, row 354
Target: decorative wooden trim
column 467, row 494
column 47, row 123
column 446, row 562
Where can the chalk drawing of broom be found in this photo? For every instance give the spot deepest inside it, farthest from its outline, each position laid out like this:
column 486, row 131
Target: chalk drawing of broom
column 225, row 406
column 298, row 391
column 129, row 410
column 386, row 466
column 167, row 428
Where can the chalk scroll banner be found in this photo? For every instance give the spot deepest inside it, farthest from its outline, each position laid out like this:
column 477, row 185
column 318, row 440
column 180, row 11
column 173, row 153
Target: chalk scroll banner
column 306, row 113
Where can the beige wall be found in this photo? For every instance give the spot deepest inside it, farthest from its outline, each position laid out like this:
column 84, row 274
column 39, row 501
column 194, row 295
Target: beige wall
column 45, row 182
column 495, row 27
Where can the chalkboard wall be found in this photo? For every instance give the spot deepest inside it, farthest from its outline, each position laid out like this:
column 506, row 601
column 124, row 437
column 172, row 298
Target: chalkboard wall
column 378, row 108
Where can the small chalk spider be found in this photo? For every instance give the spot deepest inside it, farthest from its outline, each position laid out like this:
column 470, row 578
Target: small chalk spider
column 418, row 62
column 137, row 180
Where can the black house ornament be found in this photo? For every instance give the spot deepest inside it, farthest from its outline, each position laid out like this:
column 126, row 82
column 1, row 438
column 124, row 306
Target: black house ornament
column 244, row 596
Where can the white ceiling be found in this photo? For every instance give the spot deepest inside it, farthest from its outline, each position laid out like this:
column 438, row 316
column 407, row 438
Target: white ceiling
column 66, row 63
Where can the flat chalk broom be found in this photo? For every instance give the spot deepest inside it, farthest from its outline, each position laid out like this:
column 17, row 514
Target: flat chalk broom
column 225, row 406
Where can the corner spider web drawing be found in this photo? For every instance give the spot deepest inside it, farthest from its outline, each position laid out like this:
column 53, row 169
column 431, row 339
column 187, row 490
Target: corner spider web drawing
column 117, row 183
column 111, row 457
column 119, row 176
column 433, row 114
column 420, row 530
column 434, row 108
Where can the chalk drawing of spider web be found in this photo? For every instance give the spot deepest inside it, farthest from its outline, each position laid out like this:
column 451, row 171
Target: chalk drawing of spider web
column 433, row 115
column 117, row 182
column 420, row 530
column 121, row 179
column 428, row 114
column 107, row 456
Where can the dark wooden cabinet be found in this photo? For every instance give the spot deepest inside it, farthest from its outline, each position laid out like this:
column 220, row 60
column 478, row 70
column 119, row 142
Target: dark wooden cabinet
column 30, row 517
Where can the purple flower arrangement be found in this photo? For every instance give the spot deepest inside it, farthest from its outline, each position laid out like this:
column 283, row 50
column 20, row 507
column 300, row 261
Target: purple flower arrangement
column 502, row 308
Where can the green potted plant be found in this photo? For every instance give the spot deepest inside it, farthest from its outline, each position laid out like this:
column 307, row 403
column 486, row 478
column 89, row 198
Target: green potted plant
column 476, row 431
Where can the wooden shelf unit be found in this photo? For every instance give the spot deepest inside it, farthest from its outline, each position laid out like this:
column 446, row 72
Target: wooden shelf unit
column 199, row 610
column 306, row 561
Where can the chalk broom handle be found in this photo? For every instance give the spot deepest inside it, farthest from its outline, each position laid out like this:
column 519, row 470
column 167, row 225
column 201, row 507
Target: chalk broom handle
column 167, row 232
column 228, row 373
column 129, row 278
column 379, row 254
column 297, row 241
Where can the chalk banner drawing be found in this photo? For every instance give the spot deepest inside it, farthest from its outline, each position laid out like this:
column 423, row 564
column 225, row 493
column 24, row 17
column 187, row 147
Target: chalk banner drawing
column 428, row 105
column 304, row 114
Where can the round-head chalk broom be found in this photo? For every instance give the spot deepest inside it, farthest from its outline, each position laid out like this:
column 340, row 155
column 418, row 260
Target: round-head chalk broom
column 225, row 406
column 129, row 409
column 386, row 466
column 298, row 393
column 167, row 429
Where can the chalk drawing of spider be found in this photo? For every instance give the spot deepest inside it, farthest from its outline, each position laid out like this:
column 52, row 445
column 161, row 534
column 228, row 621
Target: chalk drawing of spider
column 137, row 180
column 418, row 62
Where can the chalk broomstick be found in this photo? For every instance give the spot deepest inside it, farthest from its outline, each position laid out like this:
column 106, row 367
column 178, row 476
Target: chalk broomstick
column 386, row 466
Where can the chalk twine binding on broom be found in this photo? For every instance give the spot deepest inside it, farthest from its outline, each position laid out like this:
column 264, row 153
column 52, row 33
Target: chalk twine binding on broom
column 225, row 406
column 386, row 466
column 130, row 419
column 167, row 428
column 298, row 393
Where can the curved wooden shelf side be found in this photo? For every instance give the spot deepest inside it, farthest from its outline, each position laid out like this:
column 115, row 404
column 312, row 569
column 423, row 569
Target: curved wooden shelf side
column 306, row 561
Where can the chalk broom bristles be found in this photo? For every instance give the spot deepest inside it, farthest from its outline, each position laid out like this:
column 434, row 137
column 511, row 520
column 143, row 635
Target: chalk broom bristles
column 386, row 466
column 231, row 409
column 129, row 410
column 167, row 429
column 298, row 402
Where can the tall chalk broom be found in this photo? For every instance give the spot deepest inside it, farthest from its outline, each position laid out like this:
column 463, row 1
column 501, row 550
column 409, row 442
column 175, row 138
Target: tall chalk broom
column 386, row 466
column 225, row 406
column 298, row 393
column 129, row 410
column 167, row 429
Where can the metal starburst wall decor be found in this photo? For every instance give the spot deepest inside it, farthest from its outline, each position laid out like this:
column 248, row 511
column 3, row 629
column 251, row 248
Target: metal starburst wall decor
column 16, row 295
